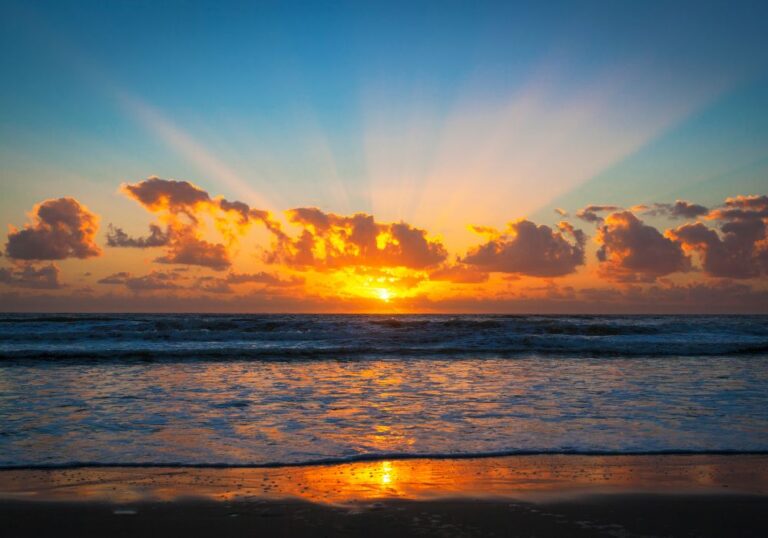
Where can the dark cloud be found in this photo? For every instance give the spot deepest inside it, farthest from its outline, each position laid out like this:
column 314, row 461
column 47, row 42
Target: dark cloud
column 28, row 276
column 742, row 207
column 681, row 209
column 329, row 241
column 211, row 284
column 740, row 250
column 532, row 250
column 590, row 213
column 155, row 280
column 115, row 278
column 187, row 249
column 631, row 251
column 722, row 296
column 116, row 237
column 175, row 197
column 155, row 194
column 263, row 278
column 458, row 273
column 60, row 228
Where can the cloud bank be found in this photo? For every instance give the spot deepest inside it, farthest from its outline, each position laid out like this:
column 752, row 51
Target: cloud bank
column 309, row 252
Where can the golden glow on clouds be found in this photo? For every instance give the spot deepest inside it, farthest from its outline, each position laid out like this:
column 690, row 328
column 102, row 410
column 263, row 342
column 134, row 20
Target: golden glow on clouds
column 203, row 244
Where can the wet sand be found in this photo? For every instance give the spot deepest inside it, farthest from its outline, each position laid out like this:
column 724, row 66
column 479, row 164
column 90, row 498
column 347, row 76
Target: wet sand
column 672, row 495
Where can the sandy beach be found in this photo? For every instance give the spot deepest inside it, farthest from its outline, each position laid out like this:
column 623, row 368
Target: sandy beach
column 658, row 495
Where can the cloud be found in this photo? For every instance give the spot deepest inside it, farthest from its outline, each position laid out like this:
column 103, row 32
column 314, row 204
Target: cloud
column 458, row 273
column 155, row 280
column 212, row 284
column 532, row 250
column 185, row 209
column 46, row 277
column 328, row 241
column 706, row 297
column 560, row 211
column 61, row 228
column 631, row 251
column 158, row 194
column 752, row 207
column 263, row 278
column 590, row 213
column 741, row 249
column 187, row 249
column 681, row 209
column 116, row 237
column 115, row 278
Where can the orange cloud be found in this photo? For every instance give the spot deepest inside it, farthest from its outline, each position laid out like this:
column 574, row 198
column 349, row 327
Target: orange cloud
column 631, row 251
column 530, row 249
column 61, row 228
column 329, row 241
column 183, row 208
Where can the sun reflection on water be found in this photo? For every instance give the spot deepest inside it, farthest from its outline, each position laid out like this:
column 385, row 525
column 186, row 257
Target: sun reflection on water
column 507, row 477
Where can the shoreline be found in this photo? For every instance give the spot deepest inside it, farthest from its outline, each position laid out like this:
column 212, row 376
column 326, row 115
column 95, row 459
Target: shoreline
column 553, row 495
column 528, row 476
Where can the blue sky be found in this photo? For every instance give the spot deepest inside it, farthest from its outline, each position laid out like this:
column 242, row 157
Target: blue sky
column 263, row 85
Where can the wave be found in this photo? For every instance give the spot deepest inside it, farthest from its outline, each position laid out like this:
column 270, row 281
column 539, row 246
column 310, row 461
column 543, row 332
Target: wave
column 267, row 337
column 369, row 353
column 394, row 456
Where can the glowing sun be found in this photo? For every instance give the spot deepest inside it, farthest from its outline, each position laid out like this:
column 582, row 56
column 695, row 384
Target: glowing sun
column 384, row 294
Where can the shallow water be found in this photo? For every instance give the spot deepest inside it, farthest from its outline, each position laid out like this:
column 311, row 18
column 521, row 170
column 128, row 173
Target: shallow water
column 183, row 407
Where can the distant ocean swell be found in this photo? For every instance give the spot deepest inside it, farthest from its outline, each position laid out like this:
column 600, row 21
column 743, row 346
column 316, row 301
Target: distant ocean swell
column 287, row 337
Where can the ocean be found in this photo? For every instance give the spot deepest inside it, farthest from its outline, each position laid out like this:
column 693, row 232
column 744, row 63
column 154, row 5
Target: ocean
column 245, row 390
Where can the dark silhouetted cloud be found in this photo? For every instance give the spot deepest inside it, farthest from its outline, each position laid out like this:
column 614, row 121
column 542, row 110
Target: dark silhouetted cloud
column 28, row 276
column 590, row 213
column 115, row 278
column 155, row 280
column 681, row 209
column 264, row 278
column 61, row 228
column 116, row 237
column 187, row 249
column 532, row 250
column 459, row 273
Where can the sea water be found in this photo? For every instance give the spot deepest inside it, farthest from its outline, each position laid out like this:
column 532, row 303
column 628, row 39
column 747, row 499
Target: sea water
column 289, row 389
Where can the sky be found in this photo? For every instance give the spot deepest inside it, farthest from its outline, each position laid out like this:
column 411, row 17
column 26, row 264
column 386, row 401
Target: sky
column 593, row 157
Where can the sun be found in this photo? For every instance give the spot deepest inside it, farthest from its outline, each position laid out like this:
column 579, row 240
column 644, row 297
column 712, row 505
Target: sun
column 384, row 294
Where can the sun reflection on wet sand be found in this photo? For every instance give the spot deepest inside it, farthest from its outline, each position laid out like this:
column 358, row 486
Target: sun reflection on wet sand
column 526, row 477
